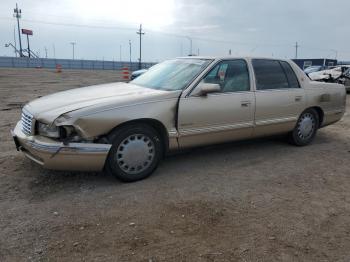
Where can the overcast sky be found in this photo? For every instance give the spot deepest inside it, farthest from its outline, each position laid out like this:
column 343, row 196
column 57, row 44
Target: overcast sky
column 247, row 27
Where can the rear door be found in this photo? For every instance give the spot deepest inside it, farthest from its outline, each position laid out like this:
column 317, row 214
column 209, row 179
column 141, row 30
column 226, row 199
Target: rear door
column 279, row 97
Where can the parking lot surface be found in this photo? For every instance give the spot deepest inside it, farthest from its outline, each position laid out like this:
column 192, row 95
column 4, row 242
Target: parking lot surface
column 261, row 200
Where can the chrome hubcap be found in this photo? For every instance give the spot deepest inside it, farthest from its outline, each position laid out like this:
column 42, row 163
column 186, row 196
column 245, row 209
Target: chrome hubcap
column 135, row 153
column 306, row 126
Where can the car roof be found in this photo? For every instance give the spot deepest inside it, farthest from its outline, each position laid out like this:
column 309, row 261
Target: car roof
column 231, row 57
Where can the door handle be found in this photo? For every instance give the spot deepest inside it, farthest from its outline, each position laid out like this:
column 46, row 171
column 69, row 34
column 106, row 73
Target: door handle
column 298, row 98
column 245, row 103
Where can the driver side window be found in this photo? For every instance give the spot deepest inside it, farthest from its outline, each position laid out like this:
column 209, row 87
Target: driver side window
column 232, row 76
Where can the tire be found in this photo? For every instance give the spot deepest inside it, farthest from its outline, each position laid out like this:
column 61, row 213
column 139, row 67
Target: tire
column 306, row 128
column 135, row 153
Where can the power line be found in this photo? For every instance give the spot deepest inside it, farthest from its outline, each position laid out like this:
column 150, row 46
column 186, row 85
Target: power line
column 154, row 31
column 36, row 14
column 77, row 25
column 164, row 33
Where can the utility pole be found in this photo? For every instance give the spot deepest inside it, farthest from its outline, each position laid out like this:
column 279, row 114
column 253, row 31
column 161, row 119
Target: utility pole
column 130, row 52
column 54, row 51
column 18, row 15
column 14, row 39
column 140, row 33
column 229, row 52
column 28, row 45
column 120, row 53
column 296, row 50
column 189, row 38
column 45, row 52
column 73, row 44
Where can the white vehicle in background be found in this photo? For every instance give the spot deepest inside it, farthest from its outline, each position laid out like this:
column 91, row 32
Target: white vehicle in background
column 337, row 74
column 137, row 73
column 347, row 80
column 327, row 74
column 312, row 69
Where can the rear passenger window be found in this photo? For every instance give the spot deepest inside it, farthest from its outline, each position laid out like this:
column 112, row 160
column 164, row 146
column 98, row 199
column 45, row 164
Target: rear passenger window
column 292, row 79
column 269, row 74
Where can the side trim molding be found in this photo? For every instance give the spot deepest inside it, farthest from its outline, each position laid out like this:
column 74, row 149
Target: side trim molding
column 276, row 121
column 217, row 128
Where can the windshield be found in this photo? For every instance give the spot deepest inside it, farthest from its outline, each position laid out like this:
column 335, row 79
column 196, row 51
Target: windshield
column 312, row 69
column 172, row 74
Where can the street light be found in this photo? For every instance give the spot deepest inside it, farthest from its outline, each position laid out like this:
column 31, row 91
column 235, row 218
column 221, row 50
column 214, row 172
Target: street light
column 10, row 44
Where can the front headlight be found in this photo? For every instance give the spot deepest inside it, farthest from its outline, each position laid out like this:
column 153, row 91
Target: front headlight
column 48, row 130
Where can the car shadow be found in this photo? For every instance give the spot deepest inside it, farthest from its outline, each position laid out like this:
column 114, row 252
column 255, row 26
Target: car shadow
column 243, row 153
column 95, row 179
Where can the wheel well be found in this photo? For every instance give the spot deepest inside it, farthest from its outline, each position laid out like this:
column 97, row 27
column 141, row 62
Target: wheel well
column 157, row 125
column 320, row 114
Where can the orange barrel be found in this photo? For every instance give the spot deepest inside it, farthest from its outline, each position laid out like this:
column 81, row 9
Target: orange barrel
column 58, row 68
column 125, row 73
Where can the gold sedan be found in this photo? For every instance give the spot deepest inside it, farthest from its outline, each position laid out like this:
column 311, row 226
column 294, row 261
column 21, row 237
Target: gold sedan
column 127, row 128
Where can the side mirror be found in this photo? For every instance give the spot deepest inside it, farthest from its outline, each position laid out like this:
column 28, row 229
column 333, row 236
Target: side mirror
column 205, row 88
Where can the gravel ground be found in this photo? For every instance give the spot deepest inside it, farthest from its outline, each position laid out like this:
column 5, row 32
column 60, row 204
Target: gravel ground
column 261, row 200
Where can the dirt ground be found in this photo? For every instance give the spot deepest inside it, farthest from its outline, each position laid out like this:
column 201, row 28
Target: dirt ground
column 261, row 200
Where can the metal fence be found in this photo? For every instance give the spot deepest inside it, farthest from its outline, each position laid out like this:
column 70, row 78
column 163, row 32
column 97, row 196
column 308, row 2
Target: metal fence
column 25, row 62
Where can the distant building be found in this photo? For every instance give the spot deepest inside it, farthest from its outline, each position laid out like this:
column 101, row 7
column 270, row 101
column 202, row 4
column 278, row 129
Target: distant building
column 305, row 63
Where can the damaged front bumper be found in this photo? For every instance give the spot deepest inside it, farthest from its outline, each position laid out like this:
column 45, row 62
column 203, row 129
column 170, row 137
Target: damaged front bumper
column 56, row 155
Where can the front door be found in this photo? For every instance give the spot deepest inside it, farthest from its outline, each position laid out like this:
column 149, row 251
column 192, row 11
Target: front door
column 219, row 117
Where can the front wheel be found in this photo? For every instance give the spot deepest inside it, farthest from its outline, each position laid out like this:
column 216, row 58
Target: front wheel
column 305, row 129
column 135, row 153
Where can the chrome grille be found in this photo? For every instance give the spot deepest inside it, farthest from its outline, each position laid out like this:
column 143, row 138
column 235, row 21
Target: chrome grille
column 27, row 122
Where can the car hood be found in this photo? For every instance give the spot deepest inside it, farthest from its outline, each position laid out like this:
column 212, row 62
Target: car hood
column 48, row 108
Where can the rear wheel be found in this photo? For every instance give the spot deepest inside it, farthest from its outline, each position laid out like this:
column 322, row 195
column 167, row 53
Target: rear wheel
column 305, row 129
column 135, row 153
